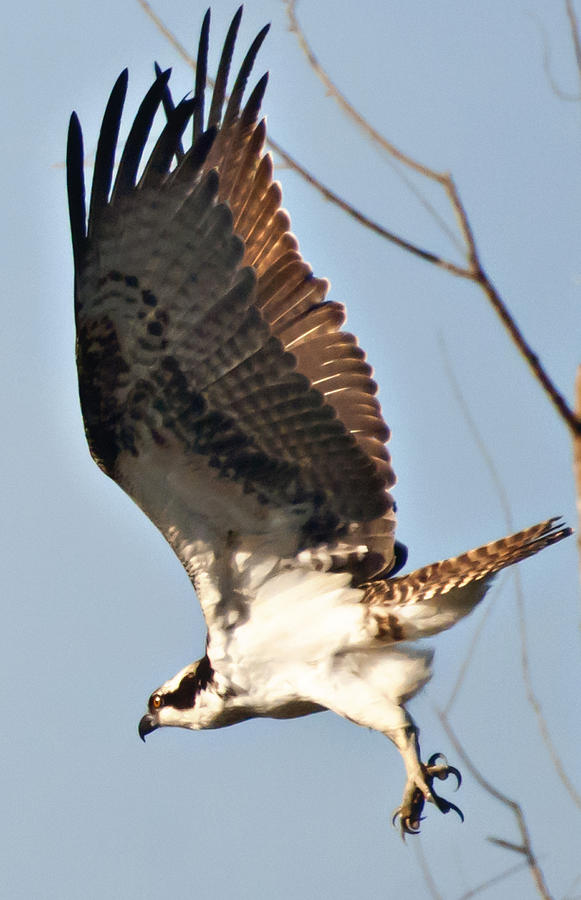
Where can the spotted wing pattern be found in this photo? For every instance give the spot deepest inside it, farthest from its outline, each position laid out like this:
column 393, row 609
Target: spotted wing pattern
column 202, row 332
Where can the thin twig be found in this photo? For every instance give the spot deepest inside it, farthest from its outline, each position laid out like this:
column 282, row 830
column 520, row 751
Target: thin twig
column 561, row 94
column 477, row 437
column 577, row 461
column 328, row 194
column 557, row 399
column 428, row 877
column 392, row 153
column 490, row 882
column 526, row 847
column 575, row 33
column 504, row 502
column 469, row 655
column 532, row 697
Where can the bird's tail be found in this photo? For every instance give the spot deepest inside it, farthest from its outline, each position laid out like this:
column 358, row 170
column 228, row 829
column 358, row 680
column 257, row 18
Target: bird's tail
column 436, row 596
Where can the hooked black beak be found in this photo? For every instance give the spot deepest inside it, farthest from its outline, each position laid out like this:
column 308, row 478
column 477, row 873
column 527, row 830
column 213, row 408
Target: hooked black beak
column 146, row 726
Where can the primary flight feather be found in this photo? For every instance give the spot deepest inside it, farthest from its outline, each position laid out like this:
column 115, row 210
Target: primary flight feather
column 219, row 391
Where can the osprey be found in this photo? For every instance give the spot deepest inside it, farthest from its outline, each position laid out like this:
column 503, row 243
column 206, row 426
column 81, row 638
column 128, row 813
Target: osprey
column 219, row 391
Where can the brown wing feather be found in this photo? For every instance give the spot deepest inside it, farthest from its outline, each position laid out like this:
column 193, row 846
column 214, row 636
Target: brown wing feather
column 199, row 323
column 291, row 300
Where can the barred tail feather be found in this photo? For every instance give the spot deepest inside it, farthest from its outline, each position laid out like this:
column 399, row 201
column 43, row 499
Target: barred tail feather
column 436, row 596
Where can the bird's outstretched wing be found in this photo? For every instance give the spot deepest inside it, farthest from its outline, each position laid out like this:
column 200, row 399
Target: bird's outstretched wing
column 216, row 385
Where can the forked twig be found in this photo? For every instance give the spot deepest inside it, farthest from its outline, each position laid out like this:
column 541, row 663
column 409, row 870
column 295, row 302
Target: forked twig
column 473, row 269
column 391, row 152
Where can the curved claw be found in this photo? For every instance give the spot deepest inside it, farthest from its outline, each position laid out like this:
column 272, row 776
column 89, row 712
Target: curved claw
column 457, row 810
column 438, row 759
column 433, row 760
column 406, row 825
column 447, row 806
column 452, row 770
column 420, row 788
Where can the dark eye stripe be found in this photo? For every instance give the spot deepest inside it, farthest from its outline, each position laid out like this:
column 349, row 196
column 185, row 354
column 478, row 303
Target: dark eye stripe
column 184, row 697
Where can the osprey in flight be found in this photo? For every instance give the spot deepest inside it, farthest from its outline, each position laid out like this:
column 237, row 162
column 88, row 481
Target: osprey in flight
column 219, row 391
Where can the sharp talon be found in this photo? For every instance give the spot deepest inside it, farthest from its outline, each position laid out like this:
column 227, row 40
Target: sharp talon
column 408, row 827
column 406, row 824
column 435, row 757
column 447, row 806
column 457, row 810
column 452, row 770
column 420, row 788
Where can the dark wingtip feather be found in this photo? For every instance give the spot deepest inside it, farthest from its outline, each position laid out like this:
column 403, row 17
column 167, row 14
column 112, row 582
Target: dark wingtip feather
column 223, row 70
column 138, row 136
column 106, row 148
column 76, row 186
column 252, row 108
column 169, row 107
column 235, row 101
column 168, row 143
column 196, row 156
column 201, row 76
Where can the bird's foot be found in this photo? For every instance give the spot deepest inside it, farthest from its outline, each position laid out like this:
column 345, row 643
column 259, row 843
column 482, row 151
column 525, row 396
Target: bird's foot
column 419, row 788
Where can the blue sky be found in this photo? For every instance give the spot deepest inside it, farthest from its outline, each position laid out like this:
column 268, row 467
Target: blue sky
column 97, row 610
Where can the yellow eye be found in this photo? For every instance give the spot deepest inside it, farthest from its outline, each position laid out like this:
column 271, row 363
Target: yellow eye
column 156, row 701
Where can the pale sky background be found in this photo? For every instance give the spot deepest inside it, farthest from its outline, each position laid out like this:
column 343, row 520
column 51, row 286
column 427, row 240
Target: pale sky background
column 96, row 609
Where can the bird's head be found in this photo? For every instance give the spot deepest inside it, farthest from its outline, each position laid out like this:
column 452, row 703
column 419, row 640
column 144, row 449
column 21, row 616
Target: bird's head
column 174, row 703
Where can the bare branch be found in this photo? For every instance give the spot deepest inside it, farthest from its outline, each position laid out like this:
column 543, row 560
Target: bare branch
column 328, row 194
column 526, row 847
column 391, row 152
column 350, row 110
column 473, row 269
column 566, row 413
column 506, row 845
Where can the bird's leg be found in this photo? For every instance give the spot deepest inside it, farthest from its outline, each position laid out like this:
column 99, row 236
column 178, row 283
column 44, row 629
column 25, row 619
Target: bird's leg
column 420, row 777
